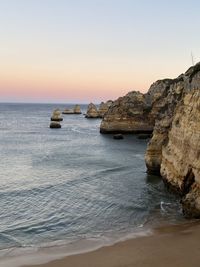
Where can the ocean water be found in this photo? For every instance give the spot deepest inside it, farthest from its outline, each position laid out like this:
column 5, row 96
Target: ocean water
column 72, row 185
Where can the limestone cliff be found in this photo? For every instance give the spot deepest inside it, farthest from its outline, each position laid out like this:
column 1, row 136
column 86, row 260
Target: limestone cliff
column 180, row 166
column 174, row 150
column 171, row 108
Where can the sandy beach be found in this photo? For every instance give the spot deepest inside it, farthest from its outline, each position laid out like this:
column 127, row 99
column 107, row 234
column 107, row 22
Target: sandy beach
column 174, row 246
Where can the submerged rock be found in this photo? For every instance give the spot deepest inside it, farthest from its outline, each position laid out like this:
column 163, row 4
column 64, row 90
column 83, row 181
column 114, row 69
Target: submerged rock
column 92, row 111
column 118, row 136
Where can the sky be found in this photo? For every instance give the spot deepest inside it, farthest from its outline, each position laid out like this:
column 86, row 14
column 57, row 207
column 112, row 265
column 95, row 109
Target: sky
column 80, row 51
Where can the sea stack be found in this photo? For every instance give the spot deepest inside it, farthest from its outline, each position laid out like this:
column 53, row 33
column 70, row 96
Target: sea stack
column 68, row 111
column 92, row 111
column 77, row 109
column 56, row 116
column 103, row 108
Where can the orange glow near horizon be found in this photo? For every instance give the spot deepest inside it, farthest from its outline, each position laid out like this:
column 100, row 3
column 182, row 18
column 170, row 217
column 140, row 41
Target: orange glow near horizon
column 72, row 86
column 92, row 51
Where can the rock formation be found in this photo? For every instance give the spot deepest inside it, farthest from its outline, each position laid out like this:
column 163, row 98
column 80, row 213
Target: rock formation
column 171, row 108
column 103, row 108
column 55, row 125
column 174, row 150
column 68, row 111
column 77, row 109
column 127, row 114
column 180, row 165
column 92, row 111
column 56, row 116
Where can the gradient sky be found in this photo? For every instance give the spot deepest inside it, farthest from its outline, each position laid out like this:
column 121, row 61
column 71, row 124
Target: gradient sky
column 93, row 50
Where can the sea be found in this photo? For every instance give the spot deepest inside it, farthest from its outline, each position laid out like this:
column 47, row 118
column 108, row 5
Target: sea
column 70, row 190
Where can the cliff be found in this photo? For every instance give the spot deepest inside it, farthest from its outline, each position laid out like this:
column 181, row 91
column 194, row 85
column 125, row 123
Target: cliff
column 171, row 109
column 127, row 114
column 174, row 150
column 133, row 113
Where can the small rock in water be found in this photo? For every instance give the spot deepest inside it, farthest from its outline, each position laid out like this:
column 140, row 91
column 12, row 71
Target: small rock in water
column 118, row 136
column 55, row 125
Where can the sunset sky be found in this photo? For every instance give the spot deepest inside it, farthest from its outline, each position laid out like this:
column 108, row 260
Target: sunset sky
column 93, row 50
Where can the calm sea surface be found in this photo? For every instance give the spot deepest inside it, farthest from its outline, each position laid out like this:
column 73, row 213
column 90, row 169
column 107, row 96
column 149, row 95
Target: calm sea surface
column 70, row 184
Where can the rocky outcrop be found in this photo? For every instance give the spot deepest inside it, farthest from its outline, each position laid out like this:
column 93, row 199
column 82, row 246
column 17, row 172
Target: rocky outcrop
column 56, row 116
column 77, row 109
column 136, row 112
column 127, row 114
column 92, row 111
column 180, row 165
column 171, row 108
column 103, row 108
column 162, row 112
column 68, row 111
column 174, row 150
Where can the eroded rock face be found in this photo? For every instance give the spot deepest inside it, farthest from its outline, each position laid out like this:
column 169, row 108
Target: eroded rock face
column 127, row 114
column 92, row 111
column 162, row 112
column 180, row 166
column 174, row 150
column 136, row 112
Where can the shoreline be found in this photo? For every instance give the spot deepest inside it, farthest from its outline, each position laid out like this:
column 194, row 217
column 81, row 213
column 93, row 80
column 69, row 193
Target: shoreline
column 133, row 250
column 55, row 250
column 172, row 245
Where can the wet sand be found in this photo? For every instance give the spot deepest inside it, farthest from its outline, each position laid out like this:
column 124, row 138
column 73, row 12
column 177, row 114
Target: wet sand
column 172, row 246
